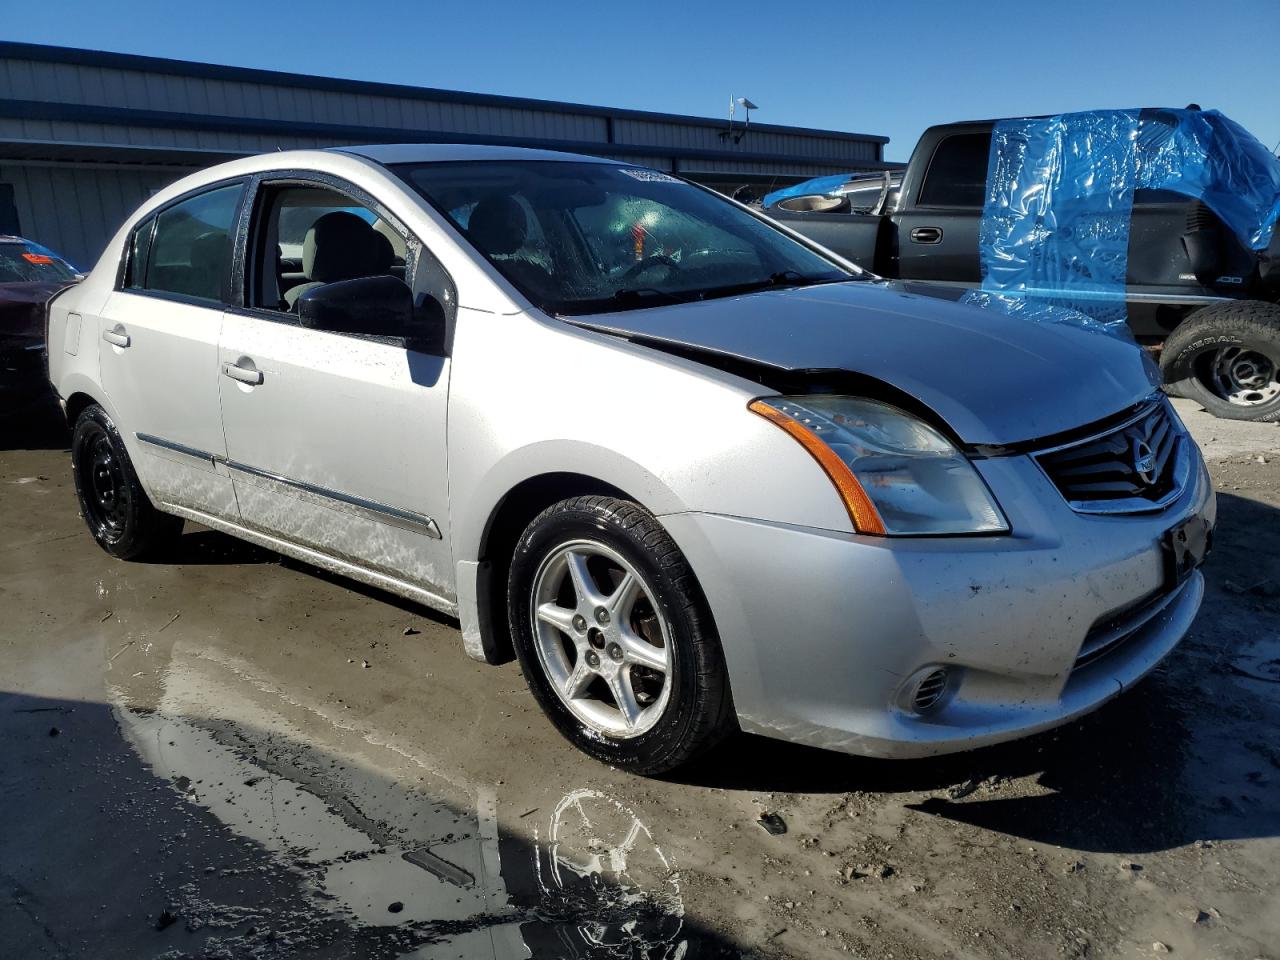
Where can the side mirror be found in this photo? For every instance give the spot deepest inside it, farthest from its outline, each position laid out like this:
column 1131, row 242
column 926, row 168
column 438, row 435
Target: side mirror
column 369, row 306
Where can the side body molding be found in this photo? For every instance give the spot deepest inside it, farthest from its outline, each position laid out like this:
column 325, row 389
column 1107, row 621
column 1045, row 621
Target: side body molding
column 369, row 509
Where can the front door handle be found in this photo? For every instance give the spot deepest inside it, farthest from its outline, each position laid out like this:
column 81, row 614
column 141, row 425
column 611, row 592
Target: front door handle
column 926, row 235
column 116, row 336
column 244, row 374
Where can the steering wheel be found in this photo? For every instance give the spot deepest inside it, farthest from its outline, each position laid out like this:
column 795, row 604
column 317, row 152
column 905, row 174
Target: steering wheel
column 648, row 263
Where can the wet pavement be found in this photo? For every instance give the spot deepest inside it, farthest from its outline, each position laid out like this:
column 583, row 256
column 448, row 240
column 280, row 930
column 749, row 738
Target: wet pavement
column 195, row 761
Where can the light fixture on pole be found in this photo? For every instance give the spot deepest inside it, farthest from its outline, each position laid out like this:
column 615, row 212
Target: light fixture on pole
column 747, row 106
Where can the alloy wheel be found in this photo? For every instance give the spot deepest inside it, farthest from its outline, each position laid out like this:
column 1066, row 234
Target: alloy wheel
column 601, row 640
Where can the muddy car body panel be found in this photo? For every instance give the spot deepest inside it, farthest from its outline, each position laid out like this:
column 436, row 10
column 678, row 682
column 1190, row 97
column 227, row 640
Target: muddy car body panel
column 403, row 467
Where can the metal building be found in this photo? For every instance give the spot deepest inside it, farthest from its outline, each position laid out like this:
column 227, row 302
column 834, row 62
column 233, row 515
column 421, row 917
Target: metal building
column 85, row 136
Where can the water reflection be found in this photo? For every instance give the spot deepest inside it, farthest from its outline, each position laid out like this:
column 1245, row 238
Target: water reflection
column 433, row 878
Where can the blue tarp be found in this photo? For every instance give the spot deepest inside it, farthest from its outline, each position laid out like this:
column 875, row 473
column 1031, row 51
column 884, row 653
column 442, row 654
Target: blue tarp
column 1060, row 194
column 818, row 186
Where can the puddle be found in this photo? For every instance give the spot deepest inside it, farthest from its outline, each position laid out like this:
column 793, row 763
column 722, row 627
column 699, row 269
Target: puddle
column 379, row 848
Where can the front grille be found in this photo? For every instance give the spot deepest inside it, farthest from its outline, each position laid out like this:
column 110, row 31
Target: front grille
column 1127, row 469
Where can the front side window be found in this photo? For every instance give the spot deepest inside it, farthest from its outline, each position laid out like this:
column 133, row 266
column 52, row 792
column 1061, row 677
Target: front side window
column 588, row 237
column 190, row 248
column 957, row 175
column 308, row 236
column 25, row 262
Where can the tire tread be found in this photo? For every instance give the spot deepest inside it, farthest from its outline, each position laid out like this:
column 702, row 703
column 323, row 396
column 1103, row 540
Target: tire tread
column 1253, row 321
column 711, row 717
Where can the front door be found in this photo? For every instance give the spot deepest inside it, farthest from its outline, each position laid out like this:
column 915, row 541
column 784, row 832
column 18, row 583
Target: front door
column 939, row 228
column 334, row 442
column 159, row 356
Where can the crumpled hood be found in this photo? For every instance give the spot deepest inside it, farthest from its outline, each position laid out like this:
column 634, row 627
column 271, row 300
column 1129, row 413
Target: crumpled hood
column 996, row 378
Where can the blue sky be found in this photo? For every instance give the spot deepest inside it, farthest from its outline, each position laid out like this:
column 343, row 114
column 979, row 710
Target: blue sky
column 887, row 68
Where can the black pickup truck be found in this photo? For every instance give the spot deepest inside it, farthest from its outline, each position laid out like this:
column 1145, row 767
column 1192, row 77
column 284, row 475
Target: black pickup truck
column 1190, row 284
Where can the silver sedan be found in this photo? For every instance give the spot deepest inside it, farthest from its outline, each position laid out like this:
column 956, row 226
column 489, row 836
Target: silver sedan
column 695, row 472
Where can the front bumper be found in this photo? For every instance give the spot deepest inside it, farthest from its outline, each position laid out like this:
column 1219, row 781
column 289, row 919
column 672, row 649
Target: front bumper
column 821, row 630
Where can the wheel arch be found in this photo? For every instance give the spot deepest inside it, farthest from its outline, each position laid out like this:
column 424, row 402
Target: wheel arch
column 506, row 521
column 77, row 403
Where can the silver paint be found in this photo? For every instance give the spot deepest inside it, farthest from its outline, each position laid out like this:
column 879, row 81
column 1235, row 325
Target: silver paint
column 820, row 626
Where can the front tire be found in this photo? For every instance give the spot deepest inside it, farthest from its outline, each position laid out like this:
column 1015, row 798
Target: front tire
column 614, row 636
column 115, row 507
column 1226, row 357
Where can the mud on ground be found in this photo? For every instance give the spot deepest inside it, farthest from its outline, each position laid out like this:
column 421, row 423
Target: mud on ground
column 231, row 755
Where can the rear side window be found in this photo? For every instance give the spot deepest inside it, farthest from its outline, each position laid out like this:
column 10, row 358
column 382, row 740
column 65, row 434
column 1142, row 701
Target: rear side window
column 190, row 249
column 957, row 175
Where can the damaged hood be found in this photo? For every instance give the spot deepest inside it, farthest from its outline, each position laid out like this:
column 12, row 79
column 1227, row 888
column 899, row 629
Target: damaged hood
column 995, row 377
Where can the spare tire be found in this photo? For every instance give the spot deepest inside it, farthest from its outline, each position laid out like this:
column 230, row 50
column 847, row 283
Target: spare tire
column 1226, row 357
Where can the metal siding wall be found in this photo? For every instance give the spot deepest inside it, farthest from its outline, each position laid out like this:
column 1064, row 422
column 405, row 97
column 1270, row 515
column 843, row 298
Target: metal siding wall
column 76, row 210
column 729, row 167
column 105, row 86
column 689, row 136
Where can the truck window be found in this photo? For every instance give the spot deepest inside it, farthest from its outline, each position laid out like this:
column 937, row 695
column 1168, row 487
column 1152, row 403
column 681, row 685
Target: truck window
column 957, row 174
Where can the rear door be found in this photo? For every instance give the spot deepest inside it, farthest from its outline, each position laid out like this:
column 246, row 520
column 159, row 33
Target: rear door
column 938, row 229
column 335, row 442
column 159, row 358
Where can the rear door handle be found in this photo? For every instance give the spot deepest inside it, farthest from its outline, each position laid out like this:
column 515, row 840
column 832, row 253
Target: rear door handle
column 116, row 336
column 926, row 235
column 249, row 375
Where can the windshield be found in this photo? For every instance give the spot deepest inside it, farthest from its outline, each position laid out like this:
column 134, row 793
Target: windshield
column 22, row 262
column 590, row 237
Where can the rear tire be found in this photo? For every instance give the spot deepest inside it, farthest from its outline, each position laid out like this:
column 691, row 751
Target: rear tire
column 114, row 506
column 1226, row 357
column 614, row 636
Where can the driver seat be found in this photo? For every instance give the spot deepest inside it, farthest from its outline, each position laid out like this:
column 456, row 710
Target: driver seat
column 499, row 228
column 339, row 246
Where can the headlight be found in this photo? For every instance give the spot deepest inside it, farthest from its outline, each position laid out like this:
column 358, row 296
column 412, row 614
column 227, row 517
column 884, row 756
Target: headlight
column 896, row 474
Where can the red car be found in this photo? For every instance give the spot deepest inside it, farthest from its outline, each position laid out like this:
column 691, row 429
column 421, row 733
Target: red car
column 29, row 275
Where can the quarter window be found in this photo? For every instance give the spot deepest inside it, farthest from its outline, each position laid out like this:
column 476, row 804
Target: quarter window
column 190, row 250
column 957, row 175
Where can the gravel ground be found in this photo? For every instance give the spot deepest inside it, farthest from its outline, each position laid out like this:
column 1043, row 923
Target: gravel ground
column 233, row 755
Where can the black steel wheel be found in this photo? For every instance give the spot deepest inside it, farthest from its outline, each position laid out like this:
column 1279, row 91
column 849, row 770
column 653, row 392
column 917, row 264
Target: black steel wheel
column 114, row 506
column 1226, row 357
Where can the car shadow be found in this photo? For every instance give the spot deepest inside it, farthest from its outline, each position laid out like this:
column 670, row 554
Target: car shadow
column 149, row 831
column 30, row 419
column 1188, row 754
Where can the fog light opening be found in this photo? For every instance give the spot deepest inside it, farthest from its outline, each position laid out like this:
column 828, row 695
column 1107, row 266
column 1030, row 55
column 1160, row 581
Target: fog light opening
column 928, row 690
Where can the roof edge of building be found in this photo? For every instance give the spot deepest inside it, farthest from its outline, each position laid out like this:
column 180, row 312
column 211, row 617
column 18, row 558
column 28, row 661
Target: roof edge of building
column 195, row 68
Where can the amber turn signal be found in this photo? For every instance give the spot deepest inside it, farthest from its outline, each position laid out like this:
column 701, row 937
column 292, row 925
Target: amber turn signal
column 861, row 510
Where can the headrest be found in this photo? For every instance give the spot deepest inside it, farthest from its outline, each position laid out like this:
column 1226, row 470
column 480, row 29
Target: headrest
column 398, row 248
column 339, row 246
column 384, row 254
column 498, row 226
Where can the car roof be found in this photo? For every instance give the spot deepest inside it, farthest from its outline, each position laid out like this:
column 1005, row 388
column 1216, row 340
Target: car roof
column 391, row 153
column 10, row 238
